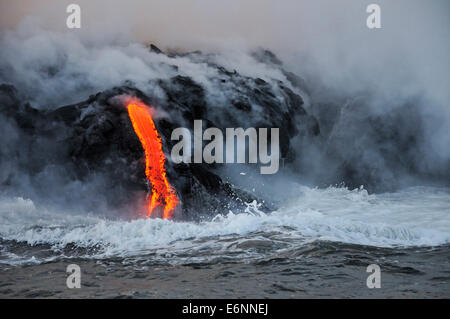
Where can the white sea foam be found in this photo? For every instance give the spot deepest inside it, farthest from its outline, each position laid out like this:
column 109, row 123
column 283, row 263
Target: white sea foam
column 414, row 217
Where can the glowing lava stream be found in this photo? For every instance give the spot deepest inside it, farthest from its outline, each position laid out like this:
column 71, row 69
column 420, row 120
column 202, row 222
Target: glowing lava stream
column 163, row 195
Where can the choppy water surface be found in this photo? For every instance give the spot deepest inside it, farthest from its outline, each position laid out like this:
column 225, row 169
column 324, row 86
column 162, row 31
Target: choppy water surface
column 323, row 233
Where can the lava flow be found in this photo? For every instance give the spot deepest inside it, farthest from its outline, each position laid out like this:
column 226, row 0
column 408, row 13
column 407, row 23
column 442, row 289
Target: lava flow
column 163, row 195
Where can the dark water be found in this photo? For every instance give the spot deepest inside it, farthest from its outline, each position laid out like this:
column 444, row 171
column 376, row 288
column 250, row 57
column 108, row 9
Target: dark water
column 317, row 246
column 318, row 269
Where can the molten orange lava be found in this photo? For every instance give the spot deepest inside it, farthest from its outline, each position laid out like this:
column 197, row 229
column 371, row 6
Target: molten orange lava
column 163, row 195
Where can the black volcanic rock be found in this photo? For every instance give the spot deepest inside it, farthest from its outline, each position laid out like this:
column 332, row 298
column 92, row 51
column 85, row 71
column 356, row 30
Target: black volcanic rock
column 92, row 144
column 154, row 48
column 103, row 140
column 98, row 137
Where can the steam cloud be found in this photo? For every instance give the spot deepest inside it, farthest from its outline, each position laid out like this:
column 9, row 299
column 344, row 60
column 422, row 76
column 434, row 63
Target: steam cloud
column 356, row 80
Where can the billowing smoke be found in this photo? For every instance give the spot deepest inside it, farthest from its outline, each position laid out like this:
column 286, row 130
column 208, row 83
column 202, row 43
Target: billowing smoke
column 380, row 97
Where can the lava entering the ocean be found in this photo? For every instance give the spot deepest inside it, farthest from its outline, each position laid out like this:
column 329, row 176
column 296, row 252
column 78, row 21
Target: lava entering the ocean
column 163, row 195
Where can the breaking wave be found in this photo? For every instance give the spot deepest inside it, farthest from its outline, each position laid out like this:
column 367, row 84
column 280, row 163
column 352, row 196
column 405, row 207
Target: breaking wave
column 418, row 216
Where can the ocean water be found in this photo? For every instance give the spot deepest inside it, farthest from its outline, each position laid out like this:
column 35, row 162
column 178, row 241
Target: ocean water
column 413, row 217
column 318, row 244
